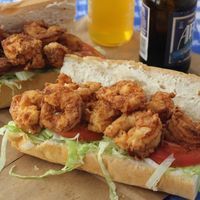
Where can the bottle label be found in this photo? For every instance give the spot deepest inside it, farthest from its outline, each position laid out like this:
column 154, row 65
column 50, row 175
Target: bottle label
column 179, row 39
column 144, row 33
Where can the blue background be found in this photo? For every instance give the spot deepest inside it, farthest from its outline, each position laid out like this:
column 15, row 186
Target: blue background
column 81, row 10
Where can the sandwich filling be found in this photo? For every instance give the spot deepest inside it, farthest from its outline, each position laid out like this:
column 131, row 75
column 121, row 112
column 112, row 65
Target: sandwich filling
column 120, row 120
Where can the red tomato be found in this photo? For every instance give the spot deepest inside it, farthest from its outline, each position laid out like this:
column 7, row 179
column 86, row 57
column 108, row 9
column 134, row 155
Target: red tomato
column 183, row 157
column 84, row 134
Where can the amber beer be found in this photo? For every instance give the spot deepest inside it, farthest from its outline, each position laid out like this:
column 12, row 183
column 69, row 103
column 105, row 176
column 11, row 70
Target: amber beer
column 166, row 33
column 110, row 21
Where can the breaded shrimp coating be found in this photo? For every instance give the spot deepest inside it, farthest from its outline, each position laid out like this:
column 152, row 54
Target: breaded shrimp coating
column 126, row 96
column 24, row 50
column 100, row 115
column 63, row 79
column 77, row 46
column 162, row 103
column 183, row 130
column 55, row 54
column 43, row 32
column 138, row 133
column 88, row 90
column 85, row 90
column 61, row 108
column 25, row 111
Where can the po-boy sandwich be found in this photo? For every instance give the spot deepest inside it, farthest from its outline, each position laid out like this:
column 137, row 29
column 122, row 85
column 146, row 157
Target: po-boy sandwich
column 118, row 119
column 32, row 52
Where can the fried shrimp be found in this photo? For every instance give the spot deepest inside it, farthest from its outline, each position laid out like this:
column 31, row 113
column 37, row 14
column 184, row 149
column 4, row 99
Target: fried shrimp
column 55, row 54
column 77, row 46
column 66, row 81
column 100, row 115
column 183, row 130
column 85, row 90
column 138, row 133
column 63, row 79
column 88, row 90
column 24, row 50
column 162, row 103
column 25, row 111
column 43, row 32
column 126, row 96
column 61, row 108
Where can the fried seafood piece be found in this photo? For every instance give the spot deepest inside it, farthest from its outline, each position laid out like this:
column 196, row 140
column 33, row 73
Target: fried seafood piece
column 85, row 90
column 126, row 96
column 25, row 111
column 100, row 115
column 183, row 130
column 88, row 90
column 77, row 46
column 63, row 79
column 61, row 108
column 55, row 54
column 24, row 50
column 43, row 32
column 66, row 81
column 138, row 133
column 162, row 103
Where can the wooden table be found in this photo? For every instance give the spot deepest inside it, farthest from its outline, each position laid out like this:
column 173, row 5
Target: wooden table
column 77, row 184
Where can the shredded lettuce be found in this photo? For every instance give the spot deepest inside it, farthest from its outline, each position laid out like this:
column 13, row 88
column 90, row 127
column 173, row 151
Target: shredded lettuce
column 43, row 136
column 12, row 128
column 159, row 172
column 24, row 75
column 193, row 170
column 112, row 186
column 3, row 130
column 11, row 79
column 3, row 150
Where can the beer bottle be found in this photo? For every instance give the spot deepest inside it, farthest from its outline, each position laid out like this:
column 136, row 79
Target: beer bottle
column 166, row 33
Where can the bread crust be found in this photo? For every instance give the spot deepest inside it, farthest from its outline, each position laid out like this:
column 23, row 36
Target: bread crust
column 123, row 170
column 36, row 82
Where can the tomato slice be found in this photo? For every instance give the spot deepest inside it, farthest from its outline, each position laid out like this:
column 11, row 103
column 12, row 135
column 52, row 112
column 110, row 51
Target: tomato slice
column 183, row 157
column 84, row 134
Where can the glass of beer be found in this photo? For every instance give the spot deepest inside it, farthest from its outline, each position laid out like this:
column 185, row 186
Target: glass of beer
column 110, row 21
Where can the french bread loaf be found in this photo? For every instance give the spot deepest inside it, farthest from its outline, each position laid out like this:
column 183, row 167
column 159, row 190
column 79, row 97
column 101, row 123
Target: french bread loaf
column 124, row 170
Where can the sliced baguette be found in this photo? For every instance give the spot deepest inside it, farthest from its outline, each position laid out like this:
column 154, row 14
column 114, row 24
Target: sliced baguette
column 126, row 170
column 123, row 170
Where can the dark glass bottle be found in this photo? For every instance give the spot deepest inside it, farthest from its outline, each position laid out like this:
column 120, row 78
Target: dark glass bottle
column 166, row 33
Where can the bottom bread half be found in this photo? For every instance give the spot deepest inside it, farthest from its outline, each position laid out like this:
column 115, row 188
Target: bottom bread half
column 123, row 170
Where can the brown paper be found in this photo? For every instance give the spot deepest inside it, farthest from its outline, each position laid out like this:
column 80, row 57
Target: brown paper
column 77, row 184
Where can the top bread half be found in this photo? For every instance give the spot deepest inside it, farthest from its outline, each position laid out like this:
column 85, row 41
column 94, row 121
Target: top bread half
column 185, row 86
